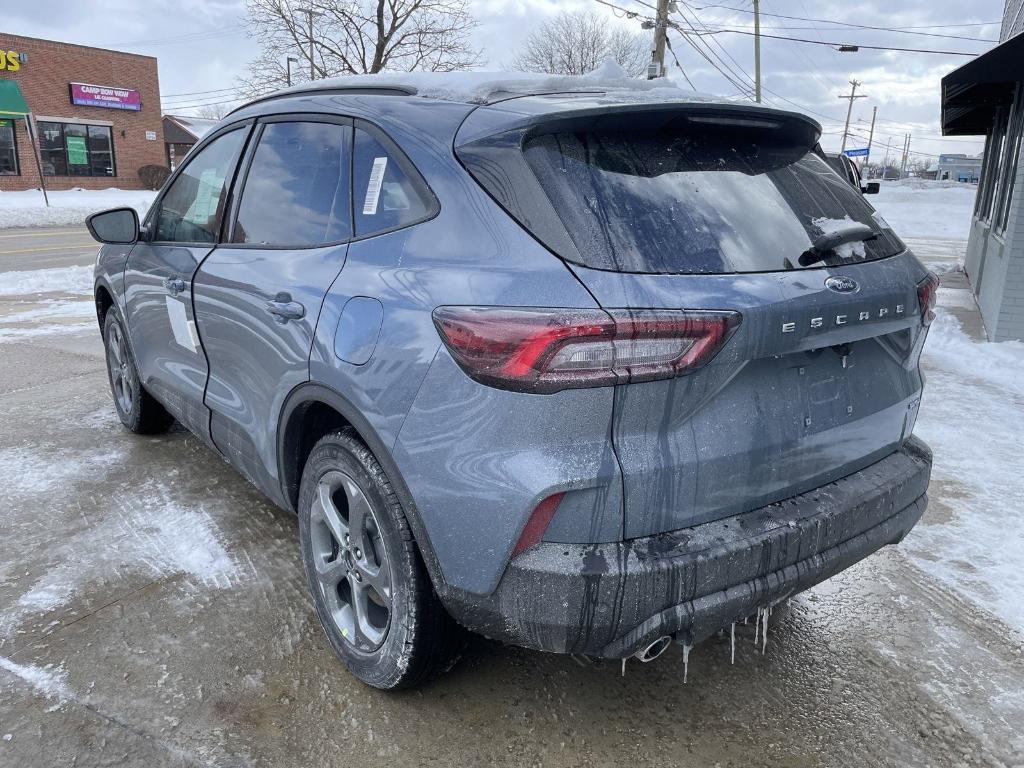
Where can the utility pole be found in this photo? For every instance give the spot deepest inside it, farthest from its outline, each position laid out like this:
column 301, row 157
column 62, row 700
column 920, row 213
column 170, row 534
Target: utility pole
column 657, row 66
column 871, row 133
column 871, row 137
column 906, row 152
column 885, row 165
column 310, row 15
column 849, row 109
column 757, row 51
column 288, row 61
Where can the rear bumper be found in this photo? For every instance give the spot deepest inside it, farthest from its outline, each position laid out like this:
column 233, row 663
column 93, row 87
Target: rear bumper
column 611, row 600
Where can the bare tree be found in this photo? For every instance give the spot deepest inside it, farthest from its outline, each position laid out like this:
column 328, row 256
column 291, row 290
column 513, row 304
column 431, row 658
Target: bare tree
column 354, row 37
column 214, row 111
column 577, row 43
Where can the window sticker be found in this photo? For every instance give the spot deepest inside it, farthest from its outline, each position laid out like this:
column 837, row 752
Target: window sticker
column 204, row 207
column 373, row 188
column 184, row 329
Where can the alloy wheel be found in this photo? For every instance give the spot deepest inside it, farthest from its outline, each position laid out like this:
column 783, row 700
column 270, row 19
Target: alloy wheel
column 352, row 565
column 121, row 374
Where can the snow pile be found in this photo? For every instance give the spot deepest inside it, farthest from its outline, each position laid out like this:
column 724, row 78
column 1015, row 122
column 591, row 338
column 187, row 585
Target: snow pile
column 915, row 183
column 928, row 209
column 972, row 415
column 67, row 207
column 480, row 87
column 58, row 279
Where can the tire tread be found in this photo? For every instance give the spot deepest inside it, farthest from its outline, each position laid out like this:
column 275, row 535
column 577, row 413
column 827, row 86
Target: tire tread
column 436, row 641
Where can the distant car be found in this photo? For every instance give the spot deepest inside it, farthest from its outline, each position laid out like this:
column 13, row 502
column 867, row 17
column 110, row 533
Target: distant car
column 576, row 373
column 848, row 169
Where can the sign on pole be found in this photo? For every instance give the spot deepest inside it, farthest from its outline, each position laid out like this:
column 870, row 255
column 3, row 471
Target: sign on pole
column 863, row 152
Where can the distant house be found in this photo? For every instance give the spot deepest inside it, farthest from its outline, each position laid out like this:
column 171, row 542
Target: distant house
column 985, row 97
column 181, row 132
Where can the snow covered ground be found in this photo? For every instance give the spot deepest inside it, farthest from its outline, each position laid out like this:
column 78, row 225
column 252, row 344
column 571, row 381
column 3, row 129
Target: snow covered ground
column 916, row 208
column 972, row 415
column 67, row 208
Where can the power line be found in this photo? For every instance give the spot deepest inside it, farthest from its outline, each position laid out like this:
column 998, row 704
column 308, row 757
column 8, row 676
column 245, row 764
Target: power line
column 745, row 89
column 195, row 93
column 202, row 104
column 858, row 26
column 738, row 71
column 799, row 49
column 878, row 29
column 208, row 34
column 675, row 58
column 837, row 45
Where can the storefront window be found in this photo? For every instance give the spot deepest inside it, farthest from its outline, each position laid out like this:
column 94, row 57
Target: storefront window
column 73, row 149
column 8, row 149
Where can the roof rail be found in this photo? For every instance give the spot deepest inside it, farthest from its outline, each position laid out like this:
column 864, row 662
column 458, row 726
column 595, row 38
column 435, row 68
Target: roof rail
column 355, row 90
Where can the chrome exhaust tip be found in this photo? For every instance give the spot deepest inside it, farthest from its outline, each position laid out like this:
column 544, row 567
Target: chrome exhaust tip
column 654, row 650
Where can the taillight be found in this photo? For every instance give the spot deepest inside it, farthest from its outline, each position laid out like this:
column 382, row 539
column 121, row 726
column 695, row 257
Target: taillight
column 548, row 350
column 927, row 291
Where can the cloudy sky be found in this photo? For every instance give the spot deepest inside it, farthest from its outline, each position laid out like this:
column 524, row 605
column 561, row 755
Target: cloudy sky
column 202, row 46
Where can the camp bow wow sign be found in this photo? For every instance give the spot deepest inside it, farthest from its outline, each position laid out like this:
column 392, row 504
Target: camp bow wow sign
column 106, row 96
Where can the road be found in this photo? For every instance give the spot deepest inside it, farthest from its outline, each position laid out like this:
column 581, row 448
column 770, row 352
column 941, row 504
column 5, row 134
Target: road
column 22, row 249
column 154, row 613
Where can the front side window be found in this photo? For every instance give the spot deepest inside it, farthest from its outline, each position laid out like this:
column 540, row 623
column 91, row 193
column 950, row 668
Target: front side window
column 191, row 209
column 297, row 188
column 8, row 149
column 76, row 149
column 386, row 194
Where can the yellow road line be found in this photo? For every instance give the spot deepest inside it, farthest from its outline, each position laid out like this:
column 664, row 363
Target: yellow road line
column 47, row 233
column 68, row 247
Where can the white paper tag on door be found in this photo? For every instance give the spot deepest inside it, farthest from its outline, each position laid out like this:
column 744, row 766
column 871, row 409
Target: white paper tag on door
column 184, row 330
column 380, row 164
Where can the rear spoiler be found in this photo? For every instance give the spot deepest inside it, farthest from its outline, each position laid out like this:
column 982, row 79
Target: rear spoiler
column 489, row 122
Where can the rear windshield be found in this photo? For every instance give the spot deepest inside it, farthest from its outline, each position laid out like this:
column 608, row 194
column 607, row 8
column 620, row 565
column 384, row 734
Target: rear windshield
column 707, row 200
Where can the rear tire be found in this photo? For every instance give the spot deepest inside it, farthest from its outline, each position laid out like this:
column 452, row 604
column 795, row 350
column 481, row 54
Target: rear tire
column 136, row 408
column 370, row 588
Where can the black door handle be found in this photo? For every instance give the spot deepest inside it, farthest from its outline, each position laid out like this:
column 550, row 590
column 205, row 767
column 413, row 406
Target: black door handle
column 283, row 311
column 174, row 285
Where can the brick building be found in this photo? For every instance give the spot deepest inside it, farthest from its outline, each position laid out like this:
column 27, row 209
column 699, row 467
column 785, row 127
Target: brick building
column 95, row 113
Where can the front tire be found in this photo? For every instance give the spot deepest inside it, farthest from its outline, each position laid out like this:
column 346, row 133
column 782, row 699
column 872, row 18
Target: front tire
column 136, row 408
column 370, row 589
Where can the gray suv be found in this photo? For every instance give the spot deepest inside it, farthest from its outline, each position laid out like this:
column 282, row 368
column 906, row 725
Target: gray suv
column 574, row 371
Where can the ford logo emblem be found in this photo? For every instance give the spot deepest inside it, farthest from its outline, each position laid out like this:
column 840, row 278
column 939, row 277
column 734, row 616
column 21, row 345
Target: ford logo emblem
column 842, row 284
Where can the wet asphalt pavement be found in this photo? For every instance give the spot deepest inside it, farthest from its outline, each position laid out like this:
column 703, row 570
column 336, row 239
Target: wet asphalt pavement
column 154, row 612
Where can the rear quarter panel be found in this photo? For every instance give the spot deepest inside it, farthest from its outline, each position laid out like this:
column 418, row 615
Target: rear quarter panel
column 475, row 460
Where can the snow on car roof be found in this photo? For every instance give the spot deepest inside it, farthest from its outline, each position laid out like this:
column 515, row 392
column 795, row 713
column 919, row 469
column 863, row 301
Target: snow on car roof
column 478, row 87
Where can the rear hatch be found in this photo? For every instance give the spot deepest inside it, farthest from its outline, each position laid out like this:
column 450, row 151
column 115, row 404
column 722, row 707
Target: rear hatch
column 711, row 207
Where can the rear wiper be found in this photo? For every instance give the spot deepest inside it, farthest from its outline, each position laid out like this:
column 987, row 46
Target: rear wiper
column 827, row 243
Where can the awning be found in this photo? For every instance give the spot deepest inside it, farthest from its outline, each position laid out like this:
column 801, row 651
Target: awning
column 12, row 103
column 972, row 93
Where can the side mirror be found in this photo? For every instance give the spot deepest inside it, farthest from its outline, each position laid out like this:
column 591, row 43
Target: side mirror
column 118, row 226
column 871, row 188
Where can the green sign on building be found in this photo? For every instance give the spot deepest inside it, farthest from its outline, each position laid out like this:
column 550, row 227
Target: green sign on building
column 76, row 151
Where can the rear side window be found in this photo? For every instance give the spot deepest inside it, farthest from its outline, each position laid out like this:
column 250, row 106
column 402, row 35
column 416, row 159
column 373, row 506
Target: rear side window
column 297, row 188
column 699, row 200
column 387, row 191
column 191, row 209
